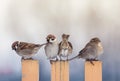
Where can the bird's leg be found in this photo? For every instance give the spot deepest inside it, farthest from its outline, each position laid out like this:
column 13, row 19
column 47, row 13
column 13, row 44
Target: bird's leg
column 90, row 60
column 96, row 59
column 67, row 57
column 30, row 58
column 56, row 58
column 53, row 60
column 22, row 58
column 50, row 61
column 60, row 57
column 87, row 59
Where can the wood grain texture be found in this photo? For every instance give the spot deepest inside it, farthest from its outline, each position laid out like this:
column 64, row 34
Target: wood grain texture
column 93, row 72
column 30, row 70
column 60, row 71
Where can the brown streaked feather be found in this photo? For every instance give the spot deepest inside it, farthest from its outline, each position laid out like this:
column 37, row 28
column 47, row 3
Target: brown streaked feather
column 70, row 48
column 50, row 36
column 24, row 45
column 66, row 44
column 59, row 47
column 70, row 45
column 87, row 47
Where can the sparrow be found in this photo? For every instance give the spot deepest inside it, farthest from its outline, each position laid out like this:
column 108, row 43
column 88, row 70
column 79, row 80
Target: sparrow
column 91, row 51
column 26, row 50
column 51, row 48
column 65, row 47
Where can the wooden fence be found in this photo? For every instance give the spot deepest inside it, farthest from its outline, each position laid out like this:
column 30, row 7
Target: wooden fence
column 60, row 71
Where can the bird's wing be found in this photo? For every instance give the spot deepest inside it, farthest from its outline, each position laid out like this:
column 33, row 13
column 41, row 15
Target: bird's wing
column 59, row 48
column 24, row 45
column 88, row 49
column 70, row 45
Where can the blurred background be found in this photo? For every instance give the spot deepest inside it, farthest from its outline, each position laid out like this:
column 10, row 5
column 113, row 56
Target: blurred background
column 32, row 20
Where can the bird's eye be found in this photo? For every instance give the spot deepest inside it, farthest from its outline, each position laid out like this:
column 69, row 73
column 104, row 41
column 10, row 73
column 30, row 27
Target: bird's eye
column 52, row 39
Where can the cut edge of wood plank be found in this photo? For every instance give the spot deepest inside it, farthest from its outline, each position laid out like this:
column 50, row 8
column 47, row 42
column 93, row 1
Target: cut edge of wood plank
column 30, row 70
column 61, row 71
column 53, row 71
column 66, row 71
column 93, row 72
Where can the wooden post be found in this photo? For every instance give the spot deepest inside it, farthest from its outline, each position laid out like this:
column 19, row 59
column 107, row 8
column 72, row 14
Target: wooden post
column 60, row 71
column 93, row 72
column 30, row 70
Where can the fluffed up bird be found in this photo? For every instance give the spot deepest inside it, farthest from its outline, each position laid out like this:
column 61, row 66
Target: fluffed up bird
column 26, row 50
column 91, row 51
column 51, row 48
column 65, row 47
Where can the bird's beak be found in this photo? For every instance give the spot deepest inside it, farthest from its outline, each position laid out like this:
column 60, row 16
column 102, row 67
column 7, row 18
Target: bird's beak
column 14, row 48
column 48, row 40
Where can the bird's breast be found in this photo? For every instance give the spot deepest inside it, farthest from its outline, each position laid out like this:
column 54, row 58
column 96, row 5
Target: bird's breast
column 51, row 50
column 100, row 48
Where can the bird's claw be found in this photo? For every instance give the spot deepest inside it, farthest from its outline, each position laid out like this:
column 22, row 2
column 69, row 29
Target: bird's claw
column 95, row 59
column 92, row 62
column 30, row 59
column 51, row 61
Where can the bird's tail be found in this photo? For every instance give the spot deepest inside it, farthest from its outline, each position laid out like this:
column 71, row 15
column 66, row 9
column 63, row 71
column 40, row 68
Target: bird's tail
column 43, row 44
column 40, row 45
column 73, row 58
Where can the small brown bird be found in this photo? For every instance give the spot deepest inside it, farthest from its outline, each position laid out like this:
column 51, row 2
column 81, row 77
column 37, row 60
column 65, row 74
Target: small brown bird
column 91, row 51
column 26, row 50
column 65, row 47
column 51, row 48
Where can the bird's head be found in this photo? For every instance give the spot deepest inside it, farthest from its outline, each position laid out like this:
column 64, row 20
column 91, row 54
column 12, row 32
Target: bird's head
column 15, row 45
column 96, row 40
column 50, row 38
column 65, row 36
